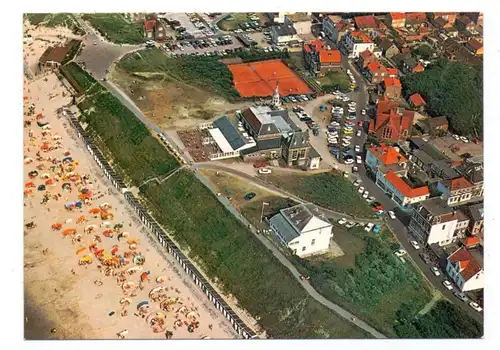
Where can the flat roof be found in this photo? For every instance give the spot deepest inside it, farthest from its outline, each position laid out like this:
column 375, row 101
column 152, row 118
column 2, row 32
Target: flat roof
column 220, row 140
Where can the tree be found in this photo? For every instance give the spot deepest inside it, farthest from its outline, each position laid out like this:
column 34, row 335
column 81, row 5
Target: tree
column 454, row 90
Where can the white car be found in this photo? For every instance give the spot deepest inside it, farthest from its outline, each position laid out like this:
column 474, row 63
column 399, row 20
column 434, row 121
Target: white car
column 365, row 195
column 369, row 227
column 359, row 160
column 342, row 221
column 391, row 214
column 348, row 161
column 357, row 183
column 464, row 139
column 264, row 171
column 415, row 245
column 357, row 148
column 435, row 271
column 347, row 137
column 456, row 137
column 346, row 142
column 361, row 189
column 447, row 284
column 400, row 252
column 475, row 306
column 350, row 224
column 358, row 133
column 363, row 111
column 370, row 199
column 351, row 110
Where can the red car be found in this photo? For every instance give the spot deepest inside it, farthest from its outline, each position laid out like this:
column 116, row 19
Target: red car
column 260, row 165
column 360, row 123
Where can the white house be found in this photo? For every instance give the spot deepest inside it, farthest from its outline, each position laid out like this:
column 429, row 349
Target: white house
column 401, row 193
column 357, row 42
column 456, row 191
column 465, row 271
column 303, row 228
column 434, row 222
column 282, row 34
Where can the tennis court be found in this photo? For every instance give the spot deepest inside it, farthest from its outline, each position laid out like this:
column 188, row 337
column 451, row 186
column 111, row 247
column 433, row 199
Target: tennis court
column 258, row 79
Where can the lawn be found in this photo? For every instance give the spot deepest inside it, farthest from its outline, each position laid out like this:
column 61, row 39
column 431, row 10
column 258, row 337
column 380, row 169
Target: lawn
column 328, row 190
column 335, row 81
column 199, row 71
column 243, row 267
column 56, row 19
column 369, row 279
column 232, row 21
column 76, row 75
column 115, row 28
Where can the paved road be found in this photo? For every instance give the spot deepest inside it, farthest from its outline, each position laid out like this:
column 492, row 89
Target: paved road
column 268, row 186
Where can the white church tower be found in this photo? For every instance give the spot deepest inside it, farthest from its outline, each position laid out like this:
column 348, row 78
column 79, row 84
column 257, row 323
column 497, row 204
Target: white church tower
column 276, row 102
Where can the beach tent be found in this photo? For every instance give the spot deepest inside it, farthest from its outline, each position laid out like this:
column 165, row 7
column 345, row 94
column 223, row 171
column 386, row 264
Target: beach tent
column 69, row 231
column 32, row 174
column 29, row 185
column 56, row 226
column 41, row 188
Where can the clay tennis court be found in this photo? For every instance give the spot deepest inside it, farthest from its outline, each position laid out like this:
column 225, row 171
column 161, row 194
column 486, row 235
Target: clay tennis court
column 258, row 79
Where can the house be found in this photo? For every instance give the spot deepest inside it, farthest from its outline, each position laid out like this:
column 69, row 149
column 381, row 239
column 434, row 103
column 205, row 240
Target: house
column 449, row 17
column 365, row 22
column 392, row 88
column 415, row 19
column 389, row 49
column 53, row 57
column 383, row 155
column 454, row 51
column 396, row 19
column 335, row 29
column 473, row 172
column 391, row 122
column 475, row 46
column 465, row 270
column 301, row 22
column 399, row 190
column 476, row 216
column 437, row 124
column 410, row 65
column 149, row 29
column 464, row 23
column 476, row 17
column 276, row 137
column 416, row 101
column 283, row 34
column 357, row 42
column 320, row 59
column 375, row 72
column 154, row 29
column 303, row 228
column 434, row 222
column 456, row 191
column 365, row 58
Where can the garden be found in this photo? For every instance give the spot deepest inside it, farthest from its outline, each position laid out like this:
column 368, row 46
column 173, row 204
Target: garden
column 77, row 77
column 115, row 28
column 335, row 81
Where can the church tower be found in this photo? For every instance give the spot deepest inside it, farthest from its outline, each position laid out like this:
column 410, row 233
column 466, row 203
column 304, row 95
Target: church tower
column 276, row 102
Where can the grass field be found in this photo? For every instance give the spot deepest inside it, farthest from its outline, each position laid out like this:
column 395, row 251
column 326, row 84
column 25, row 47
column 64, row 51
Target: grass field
column 115, row 28
column 233, row 20
column 369, row 279
column 80, row 77
column 328, row 190
column 242, row 265
column 55, row 19
column 335, row 81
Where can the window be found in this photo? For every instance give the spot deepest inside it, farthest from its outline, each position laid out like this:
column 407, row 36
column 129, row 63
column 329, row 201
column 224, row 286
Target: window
column 302, row 153
column 313, row 241
column 295, row 154
column 303, row 248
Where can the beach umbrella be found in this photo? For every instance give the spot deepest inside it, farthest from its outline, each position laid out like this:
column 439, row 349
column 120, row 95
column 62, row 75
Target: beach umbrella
column 66, row 186
column 44, row 147
column 41, row 188
column 32, row 174
column 67, row 160
column 45, row 176
column 28, row 160
column 50, row 181
column 139, row 260
column 39, row 116
column 69, row 231
column 118, row 226
column 80, row 219
column 108, row 233
column 144, row 303
column 99, row 252
column 56, row 226
column 85, row 190
column 87, row 259
column 79, row 250
column 90, row 228
column 114, row 250
column 106, row 224
column 161, row 279
column 94, row 211
column 29, row 185
column 67, row 153
column 105, row 206
column 132, row 241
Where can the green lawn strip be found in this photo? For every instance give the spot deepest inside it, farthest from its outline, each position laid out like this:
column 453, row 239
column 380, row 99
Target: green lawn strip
column 242, row 265
column 198, row 71
column 335, row 81
column 115, row 28
column 328, row 190
column 76, row 75
column 233, row 20
column 444, row 320
column 376, row 287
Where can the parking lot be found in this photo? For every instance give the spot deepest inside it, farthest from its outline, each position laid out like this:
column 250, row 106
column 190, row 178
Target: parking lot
column 206, row 45
column 447, row 144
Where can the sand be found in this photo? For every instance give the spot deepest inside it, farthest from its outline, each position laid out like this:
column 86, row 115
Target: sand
column 76, row 301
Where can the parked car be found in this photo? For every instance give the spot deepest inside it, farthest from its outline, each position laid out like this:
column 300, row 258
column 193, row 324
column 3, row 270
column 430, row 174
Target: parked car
column 342, row 221
column 264, row 171
column 369, row 227
column 475, row 306
column 456, row 137
column 348, row 161
column 370, row 199
column 461, row 296
column 354, row 169
column 348, row 131
column 447, row 284
column 350, row 224
column 376, row 228
column 363, row 111
column 359, row 160
column 435, row 271
column 365, row 195
column 260, row 165
column 358, row 133
column 400, row 252
column 415, row 245
column 357, row 183
column 357, row 148
column 464, row 139
column 361, row 189
column 249, row 196
column 391, row 214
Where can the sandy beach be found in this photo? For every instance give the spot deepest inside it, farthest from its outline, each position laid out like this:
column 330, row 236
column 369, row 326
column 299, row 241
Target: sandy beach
column 90, row 270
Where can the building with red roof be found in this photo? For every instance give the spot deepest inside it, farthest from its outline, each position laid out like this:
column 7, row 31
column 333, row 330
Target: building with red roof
column 415, row 18
column 154, row 29
column 391, row 123
column 399, row 189
column 396, row 19
column 357, row 42
column 416, row 100
column 320, row 59
column 336, row 29
column 465, row 270
column 456, row 191
column 392, row 88
column 365, row 22
column 376, row 72
column 366, row 57
column 384, row 156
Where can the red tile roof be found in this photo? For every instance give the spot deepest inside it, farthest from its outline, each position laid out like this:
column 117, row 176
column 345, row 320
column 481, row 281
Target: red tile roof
column 417, row 100
column 418, row 68
column 469, row 267
column 459, row 183
column 405, row 189
column 392, row 71
column 330, row 56
column 416, row 16
column 366, row 54
column 362, row 36
column 397, row 16
column 471, row 241
column 476, row 45
column 392, row 82
column 149, row 25
column 387, row 155
column 375, row 67
column 365, row 22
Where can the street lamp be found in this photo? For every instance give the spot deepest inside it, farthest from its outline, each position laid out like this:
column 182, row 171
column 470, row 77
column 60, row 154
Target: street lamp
column 262, row 211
